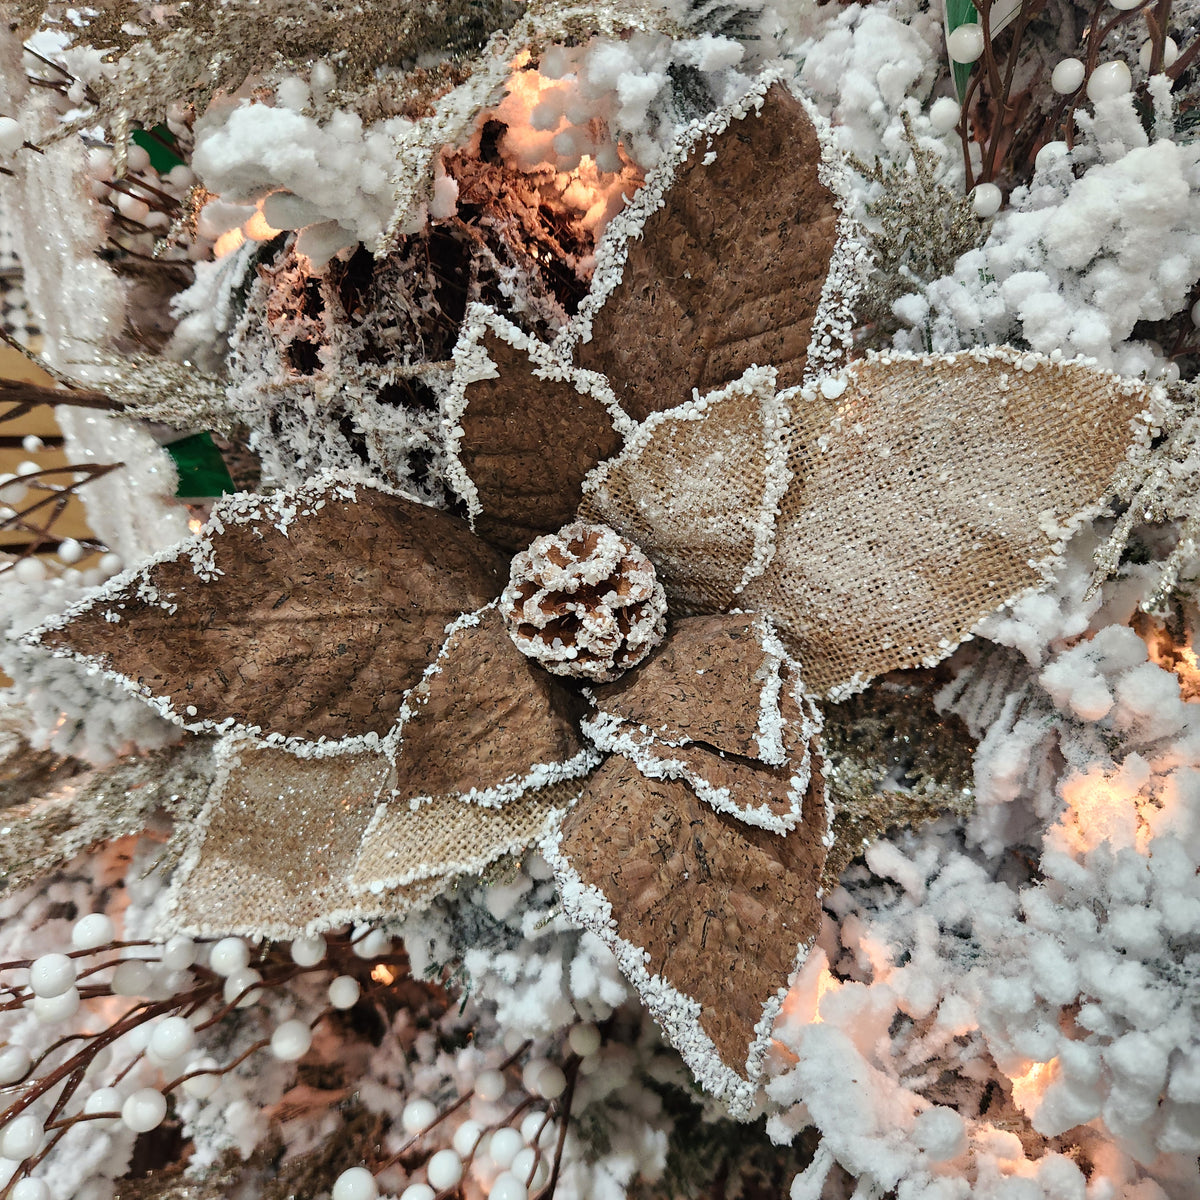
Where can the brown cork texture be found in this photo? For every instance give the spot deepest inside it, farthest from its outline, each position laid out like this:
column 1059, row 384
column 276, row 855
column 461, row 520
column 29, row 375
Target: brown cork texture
column 282, row 836
column 721, row 908
column 728, row 273
column 935, row 488
column 751, row 783
column 527, row 444
column 702, row 684
column 692, row 494
column 486, row 716
column 318, row 632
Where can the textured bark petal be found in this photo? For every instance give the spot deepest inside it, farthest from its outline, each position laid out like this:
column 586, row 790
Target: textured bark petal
column 929, row 492
column 525, row 431
column 486, row 722
column 720, row 706
column 708, row 917
column 306, row 615
column 728, row 272
column 705, row 683
column 698, row 488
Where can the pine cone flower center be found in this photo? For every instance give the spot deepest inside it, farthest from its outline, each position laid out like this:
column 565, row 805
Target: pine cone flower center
column 584, row 602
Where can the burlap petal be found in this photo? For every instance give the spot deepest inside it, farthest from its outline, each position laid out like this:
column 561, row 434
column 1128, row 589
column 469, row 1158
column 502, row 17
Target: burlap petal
column 708, row 917
column 926, row 493
column 402, row 846
column 728, row 271
column 273, row 849
column 524, row 431
column 698, row 489
column 720, row 706
column 485, row 722
column 305, row 615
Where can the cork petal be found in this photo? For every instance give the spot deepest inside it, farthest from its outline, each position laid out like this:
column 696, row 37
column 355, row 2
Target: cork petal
column 272, row 850
column 698, row 489
column 486, row 723
column 708, row 917
column 301, row 616
column 523, row 431
column 927, row 492
column 721, row 706
column 718, row 264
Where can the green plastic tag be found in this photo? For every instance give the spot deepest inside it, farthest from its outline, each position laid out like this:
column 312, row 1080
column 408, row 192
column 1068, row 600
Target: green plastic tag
column 162, row 157
column 202, row 470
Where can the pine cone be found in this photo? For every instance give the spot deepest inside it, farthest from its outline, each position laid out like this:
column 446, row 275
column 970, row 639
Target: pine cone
column 584, row 602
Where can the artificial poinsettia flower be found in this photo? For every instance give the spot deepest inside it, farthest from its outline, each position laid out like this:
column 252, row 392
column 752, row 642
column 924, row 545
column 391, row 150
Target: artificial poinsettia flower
column 814, row 525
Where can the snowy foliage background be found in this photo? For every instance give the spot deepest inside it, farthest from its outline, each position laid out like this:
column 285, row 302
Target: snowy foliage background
column 1002, row 1006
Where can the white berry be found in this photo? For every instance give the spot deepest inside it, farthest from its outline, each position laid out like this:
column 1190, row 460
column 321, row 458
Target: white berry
column 373, row 945
column 444, row 1170
column 466, row 1137
column 229, row 955
column 103, row 1100
column 490, row 1085
column 50, row 1010
column 1109, row 80
column 144, row 1110
column 584, row 1038
column 172, row 1038
column 508, row 1187
column 504, row 1145
column 943, row 114
column 1170, row 53
column 1067, row 76
column 202, row 1086
column 11, row 136
column 96, row 929
column 51, row 975
column 291, row 1040
column 344, row 992
column 418, row 1191
column 986, row 199
column 132, row 978
column 21, row 1137
column 179, row 953
column 355, row 1184
column 238, row 982
column 30, row 1189
column 523, row 1165
column 965, row 44
column 551, row 1082
column 15, row 1062
column 417, row 1115
column 308, row 951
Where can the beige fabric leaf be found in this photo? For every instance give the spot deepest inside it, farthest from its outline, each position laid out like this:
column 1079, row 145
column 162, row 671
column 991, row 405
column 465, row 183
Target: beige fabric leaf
column 307, row 614
column 708, row 916
column 728, row 272
column 273, row 848
column 928, row 493
column 448, row 835
column 697, row 488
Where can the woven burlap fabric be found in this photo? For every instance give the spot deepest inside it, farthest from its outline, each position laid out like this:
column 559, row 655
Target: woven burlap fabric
column 452, row 835
column 928, row 494
column 695, row 489
column 922, row 497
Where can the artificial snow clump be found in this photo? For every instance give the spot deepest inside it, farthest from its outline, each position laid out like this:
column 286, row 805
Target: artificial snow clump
column 1074, row 263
